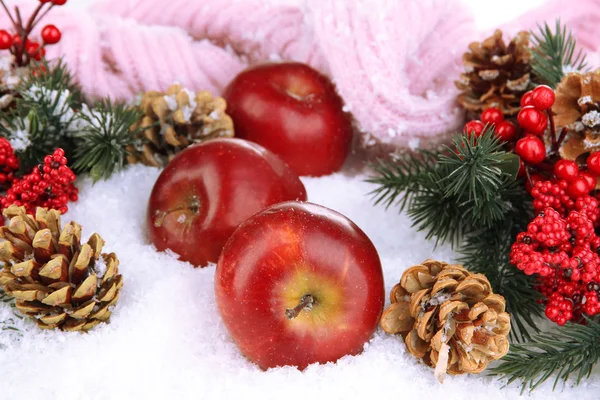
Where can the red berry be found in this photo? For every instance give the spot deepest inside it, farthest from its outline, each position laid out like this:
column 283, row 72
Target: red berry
column 535, row 178
column 566, row 170
column 492, row 115
column 526, row 99
column 474, row 127
column 578, row 187
column 35, row 50
column 59, row 2
column 506, row 131
column 531, row 149
column 51, row 34
column 6, row 40
column 542, row 97
column 590, row 179
column 593, row 163
column 532, row 120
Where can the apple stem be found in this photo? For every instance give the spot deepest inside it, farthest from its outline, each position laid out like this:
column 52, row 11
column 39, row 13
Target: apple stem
column 306, row 302
column 193, row 206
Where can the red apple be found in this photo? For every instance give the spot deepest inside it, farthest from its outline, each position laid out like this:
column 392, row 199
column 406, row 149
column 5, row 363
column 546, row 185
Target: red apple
column 207, row 190
column 297, row 284
column 295, row 112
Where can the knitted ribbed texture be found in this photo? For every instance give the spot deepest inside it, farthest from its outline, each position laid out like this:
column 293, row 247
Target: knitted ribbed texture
column 393, row 61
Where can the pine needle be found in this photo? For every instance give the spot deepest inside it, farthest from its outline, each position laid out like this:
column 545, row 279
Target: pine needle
column 101, row 143
column 554, row 54
column 568, row 351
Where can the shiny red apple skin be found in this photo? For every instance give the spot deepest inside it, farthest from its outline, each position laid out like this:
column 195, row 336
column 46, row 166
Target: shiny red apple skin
column 282, row 254
column 294, row 111
column 208, row 189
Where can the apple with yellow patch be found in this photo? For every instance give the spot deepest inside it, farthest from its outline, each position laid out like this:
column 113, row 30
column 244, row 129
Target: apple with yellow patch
column 297, row 284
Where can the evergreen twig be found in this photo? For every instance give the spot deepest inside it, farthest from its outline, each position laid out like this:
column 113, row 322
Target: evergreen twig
column 101, row 143
column 568, row 351
column 450, row 193
column 554, row 53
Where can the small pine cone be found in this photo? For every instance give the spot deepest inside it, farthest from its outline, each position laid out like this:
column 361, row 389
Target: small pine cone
column 496, row 75
column 577, row 108
column 54, row 278
column 448, row 317
column 175, row 120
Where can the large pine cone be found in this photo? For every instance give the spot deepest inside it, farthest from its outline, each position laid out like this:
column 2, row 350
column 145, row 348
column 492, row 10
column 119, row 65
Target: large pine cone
column 577, row 108
column 496, row 75
column 437, row 306
column 54, row 279
column 176, row 119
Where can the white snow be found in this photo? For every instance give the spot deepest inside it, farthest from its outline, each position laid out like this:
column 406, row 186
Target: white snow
column 591, row 118
column 20, row 138
column 166, row 339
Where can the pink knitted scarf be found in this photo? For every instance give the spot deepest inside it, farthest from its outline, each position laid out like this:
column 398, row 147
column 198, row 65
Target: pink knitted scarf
column 393, row 61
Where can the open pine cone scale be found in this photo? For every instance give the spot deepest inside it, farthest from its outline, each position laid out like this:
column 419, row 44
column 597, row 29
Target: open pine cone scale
column 175, row 120
column 55, row 279
column 438, row 304
column 496, row 74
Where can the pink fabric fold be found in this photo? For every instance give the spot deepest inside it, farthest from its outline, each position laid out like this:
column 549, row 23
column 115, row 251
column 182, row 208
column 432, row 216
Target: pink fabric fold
column 393, row 61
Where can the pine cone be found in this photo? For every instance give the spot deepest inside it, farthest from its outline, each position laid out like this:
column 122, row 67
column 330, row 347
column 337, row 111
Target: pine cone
column 448, row 317
column 54, row 279
column 495, row 75
column 176, row 119
column 577, row 108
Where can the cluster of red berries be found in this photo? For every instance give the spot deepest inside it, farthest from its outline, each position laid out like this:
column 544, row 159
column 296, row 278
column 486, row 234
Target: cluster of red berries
column 19, row 44
column 9, row 163
column 532, row 119
column 505, row 130
column 563, row 252
column 49, row 185
column 555, row 194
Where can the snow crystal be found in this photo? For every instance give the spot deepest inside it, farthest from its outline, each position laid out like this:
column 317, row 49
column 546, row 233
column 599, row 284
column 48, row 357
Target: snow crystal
column 517, row 85
column 489, row 75
column 591, row 118
column 584, row 100
column 59, row 100
column 438, row 299
column 567, row 69
column 171, row 102
column 188, row 110
column 20, row 138
column 414, row 143
column 100, row 267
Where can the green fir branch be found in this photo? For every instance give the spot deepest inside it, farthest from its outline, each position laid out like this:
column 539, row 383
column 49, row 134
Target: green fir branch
column 399, row 178
column 53, row 76
column 44, row 116
column 102, row 141
column 554, row 53
column 451, row 194
column 567, row 352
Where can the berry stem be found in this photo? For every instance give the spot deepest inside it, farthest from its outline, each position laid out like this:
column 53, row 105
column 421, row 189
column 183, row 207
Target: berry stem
column 34, row 24
column 561, row 138
column 30, row 24
column 20, row 49
column 552, row 130
column 12, row 20
column 528, row 176
column 306, row 302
